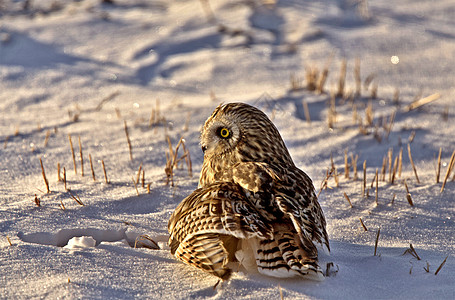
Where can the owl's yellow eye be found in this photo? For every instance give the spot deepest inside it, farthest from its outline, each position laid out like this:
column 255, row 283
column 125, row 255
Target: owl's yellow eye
column 224, row 133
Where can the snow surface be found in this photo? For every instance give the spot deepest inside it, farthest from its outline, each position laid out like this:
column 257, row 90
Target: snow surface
column 83, row 68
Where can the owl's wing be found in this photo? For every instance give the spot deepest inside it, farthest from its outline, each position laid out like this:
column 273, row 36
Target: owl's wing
column 296, row 198
column 293, row 193
column 205, row 227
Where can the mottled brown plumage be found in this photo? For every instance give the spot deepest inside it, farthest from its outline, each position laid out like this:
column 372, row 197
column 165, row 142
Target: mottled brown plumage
column 253, row 207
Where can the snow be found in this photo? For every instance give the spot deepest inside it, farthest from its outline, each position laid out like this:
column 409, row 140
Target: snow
column 82, row 68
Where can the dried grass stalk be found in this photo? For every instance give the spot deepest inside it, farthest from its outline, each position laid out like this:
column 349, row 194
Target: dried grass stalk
column 390, row 160
column 91, row 167
column 342, row 79
column 395, row 167
column 311, row 75
column 363, row 225
column 306, row 111
column 46, row 139
column 334, row 170
column 72, row 153
column 135, row 186
column 44, row 176
column 187, row 122
column 440, row 266
column 422, row 101
column 374, row 178
column 82, row 156
column 59, row 178
column 324, row 75
column 376, row 242
column 438, row 166
column 322, row 80
column 358, row 80
column 104, row 171
column 354, row 164
column 369, row 114
column 118, row 114
column 346, row 164
column 390, row 124
column 325, row 181
column 412, row 136
column 37, row 201
column 368, row 80
column 445, row 113
column 377, row 188
column 374, row 91
column 384, row 168
column 168, row 170
column 396, row 97
column 130, row 147
column 331, row 113
column 355, row 115
column 76, row 198
column 64, row 178
column 449, row 170
column 347, row 198
column 187, row 159
column 400, row 162
column 364, row 186
column 412, row 163
column 138, row 176
column 377, row 134
column 412, row 251
column 172, row 160
column 6, row 142
column 106, row 99
column 335, row 176
column 408, row 194
column 296, row 82
column 427, row 268
column 152, row 118
column 393, row 199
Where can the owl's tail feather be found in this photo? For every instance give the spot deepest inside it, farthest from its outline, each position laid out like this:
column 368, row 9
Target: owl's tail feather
column 285, row 257
column 207, row 252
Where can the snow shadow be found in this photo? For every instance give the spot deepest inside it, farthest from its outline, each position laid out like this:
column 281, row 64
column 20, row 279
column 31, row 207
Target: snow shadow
column 163, row 51
column 62, row 237
column 18, row 52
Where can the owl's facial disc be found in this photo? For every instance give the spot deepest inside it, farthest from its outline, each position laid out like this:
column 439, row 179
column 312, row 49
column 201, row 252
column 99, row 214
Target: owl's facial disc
column 219, row 137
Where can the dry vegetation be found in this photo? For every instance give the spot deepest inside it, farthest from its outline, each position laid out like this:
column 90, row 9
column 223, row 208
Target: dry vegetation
column 373, row 124
column 364, row 117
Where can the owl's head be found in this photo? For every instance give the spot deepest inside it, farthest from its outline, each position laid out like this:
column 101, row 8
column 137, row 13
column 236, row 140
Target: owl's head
column 238, row 132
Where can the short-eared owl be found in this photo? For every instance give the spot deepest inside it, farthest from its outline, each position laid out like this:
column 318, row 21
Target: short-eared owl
column 253, row 207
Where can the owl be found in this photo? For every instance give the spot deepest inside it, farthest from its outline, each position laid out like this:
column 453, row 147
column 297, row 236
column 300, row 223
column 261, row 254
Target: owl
column 253, row 209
